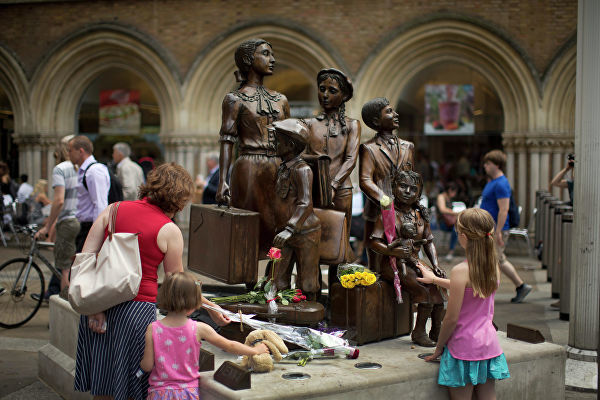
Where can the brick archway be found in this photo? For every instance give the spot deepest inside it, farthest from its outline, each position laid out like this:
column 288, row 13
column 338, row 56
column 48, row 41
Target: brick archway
column 559, row 92
column 58, row 84
column 14, row 83
column 394, row 62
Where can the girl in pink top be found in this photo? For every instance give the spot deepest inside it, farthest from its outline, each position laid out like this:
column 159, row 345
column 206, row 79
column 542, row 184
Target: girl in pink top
column 173, row 344
column 472, row 359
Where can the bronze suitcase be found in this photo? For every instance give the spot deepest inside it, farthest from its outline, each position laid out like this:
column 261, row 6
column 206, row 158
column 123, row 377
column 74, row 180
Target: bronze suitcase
column 332, row 248
column 370, row 313
column 223, row 243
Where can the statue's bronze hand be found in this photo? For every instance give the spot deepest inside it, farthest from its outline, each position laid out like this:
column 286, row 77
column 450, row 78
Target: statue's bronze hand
column 281, row 238
column 402, row 252
column 223, row 197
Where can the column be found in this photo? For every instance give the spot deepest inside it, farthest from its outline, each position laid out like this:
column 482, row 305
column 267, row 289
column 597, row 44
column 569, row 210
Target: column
column 510, row 163
column 584, row 324
column 182, row 149
column 522, row 182
column 558, row 163
column 534, row 172
column 48, row 146
column 30, row 155
column 545, row 149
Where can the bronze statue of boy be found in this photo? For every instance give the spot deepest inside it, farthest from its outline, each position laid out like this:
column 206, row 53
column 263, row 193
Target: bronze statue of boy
column 379, row 157
column 299, row 229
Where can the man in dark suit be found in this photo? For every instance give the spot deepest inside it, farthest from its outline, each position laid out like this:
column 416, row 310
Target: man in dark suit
column 212, row 180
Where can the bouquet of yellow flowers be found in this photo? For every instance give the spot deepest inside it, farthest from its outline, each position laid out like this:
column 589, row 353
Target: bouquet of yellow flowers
column 351, row 275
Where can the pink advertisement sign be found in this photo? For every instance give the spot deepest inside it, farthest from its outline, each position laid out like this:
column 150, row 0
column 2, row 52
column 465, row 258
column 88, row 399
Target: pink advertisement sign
column 120, row 112
column 449, row 110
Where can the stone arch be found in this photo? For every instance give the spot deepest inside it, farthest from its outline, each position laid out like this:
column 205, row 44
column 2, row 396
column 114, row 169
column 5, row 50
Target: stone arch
column 558, row 101
column 60, row 81
column 400, row 57
column 14, row 82
column 211, row 76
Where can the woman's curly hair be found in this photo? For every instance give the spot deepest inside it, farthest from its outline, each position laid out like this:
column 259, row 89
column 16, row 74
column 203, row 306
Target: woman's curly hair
column 169, row 186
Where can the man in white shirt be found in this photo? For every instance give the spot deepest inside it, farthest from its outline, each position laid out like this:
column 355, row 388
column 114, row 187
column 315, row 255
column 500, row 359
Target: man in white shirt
column 24, row 190
column 92, row 196
column 130, row 174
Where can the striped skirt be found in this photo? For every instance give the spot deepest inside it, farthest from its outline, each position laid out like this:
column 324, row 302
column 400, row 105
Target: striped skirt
column 107, row 363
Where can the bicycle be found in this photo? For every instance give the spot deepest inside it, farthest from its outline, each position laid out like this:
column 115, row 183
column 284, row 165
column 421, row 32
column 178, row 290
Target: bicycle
column 22, row 284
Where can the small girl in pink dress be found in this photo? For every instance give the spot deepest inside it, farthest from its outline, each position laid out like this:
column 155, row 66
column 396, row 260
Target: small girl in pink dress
column 173, row 344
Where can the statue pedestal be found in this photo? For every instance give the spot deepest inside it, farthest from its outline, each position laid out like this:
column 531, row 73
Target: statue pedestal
column 537, row 370
column 56, row 360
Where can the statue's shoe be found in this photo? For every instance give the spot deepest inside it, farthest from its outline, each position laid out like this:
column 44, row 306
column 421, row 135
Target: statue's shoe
column 422, row 340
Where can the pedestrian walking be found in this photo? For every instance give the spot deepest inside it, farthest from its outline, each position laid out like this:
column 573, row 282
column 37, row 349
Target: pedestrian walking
column 92, row 197
column 495, row 199
column 62, row 211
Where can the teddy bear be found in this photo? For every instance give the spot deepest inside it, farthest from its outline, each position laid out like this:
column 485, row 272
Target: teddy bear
column 264, row 362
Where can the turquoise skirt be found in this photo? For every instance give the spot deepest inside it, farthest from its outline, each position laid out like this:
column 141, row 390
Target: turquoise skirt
column 459, row 373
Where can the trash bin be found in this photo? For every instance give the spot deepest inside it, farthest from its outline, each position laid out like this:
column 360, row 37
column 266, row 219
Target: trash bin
column 566, row 244
column 556, row 260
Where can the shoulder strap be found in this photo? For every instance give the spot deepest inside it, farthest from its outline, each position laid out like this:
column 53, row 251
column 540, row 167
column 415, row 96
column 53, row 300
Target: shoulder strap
column 112, row 219
column 85, row 172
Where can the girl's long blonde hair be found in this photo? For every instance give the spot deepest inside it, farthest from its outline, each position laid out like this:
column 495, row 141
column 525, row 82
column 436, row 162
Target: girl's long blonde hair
column 478, row 226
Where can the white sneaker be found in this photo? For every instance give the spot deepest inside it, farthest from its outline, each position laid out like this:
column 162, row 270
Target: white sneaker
column 448, row 257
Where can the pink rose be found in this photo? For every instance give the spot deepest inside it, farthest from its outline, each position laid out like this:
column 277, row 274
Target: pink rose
column 274, row 253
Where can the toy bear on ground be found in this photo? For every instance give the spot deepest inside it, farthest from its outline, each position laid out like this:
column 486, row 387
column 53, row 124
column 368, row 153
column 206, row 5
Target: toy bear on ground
column 264, row 362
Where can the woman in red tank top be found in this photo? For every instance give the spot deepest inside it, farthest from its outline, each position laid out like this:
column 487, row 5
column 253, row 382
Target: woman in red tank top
column 111, row 343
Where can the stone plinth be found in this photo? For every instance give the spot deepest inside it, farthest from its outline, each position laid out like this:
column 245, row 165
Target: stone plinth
column 56, row 360
column 537, row 370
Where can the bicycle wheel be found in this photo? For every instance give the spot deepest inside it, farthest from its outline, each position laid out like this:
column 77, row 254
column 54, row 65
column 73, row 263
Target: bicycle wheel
column 17, row 306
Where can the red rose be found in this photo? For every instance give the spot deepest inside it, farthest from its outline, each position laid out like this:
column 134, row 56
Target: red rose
column 296, row 299
column 274, row 253
column 303, row 297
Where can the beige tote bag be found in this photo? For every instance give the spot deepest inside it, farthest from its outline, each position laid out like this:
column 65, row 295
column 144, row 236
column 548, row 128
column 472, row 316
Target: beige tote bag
column 110, row 278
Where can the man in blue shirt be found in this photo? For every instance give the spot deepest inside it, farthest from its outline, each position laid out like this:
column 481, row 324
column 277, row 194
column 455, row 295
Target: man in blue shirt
column 495, row 199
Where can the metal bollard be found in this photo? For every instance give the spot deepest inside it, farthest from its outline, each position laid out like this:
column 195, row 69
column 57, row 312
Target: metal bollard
column 540, row 195
column 546, row 233
column 556, row 260
column 551, row 244
column 566, row 244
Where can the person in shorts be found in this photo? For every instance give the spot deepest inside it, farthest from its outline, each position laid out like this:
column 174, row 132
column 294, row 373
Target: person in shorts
column 64, row 207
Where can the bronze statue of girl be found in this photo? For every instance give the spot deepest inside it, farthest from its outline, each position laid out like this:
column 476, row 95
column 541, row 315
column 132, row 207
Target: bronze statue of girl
column 247, row 113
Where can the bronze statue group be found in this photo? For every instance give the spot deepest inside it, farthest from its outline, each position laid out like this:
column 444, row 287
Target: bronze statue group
column 286, row 168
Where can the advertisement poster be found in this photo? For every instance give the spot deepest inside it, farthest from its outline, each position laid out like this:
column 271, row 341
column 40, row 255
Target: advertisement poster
column 449, row 110
column 120, row 112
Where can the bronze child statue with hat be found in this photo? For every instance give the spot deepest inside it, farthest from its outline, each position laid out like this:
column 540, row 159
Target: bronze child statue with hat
column 299, row 229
